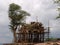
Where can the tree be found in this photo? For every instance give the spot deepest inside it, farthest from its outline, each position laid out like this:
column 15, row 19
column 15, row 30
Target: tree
column 58, row 3
column 17, row 17
column 59, row 13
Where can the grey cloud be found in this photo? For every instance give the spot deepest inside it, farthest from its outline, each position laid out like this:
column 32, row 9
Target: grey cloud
column 44, row 9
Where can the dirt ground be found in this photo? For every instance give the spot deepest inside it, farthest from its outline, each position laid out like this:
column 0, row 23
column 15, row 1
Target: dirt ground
column 46, row 43
column 49, row 43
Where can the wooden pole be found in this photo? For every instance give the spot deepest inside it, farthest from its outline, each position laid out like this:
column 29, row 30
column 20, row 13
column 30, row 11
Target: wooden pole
column 48, row 30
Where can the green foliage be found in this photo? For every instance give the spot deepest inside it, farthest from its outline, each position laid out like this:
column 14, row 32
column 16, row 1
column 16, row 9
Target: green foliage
column 58, row 3
column 58, row 17
column 51, row 39
column 16, row 16
column 14, row 7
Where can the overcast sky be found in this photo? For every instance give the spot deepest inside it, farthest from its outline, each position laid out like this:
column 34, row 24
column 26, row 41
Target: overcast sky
column 44, row 9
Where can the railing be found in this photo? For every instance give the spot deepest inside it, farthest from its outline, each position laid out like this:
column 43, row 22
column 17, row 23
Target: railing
column 30, row 37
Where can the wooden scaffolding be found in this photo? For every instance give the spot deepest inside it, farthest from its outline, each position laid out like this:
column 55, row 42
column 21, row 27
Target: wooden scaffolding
column 31, row 33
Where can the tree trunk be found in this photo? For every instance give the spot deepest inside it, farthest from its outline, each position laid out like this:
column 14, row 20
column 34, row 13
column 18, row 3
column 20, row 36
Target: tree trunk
column 15, row 39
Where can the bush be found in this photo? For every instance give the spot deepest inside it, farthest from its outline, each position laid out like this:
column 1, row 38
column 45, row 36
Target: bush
column 51, row 39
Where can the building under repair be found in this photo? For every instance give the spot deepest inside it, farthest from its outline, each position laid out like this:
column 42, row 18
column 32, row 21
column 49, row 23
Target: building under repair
column 32, row 33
